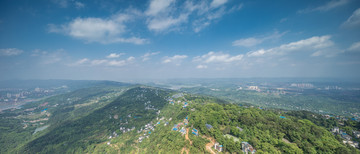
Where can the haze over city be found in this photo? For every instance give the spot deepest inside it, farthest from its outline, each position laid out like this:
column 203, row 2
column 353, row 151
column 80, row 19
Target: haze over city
column 121, row 39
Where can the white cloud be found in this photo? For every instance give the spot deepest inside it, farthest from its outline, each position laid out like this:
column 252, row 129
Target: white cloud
column 354, row 47
column 158, row 6
column 247, row 42
column 326, row 7
column 103, row 62
column 319, row 45
column 115, row 55
column 161, row 24
column 318, row 53
column 133, row 40
column 218, row 57
column 120, row 62
column 147, row 56
column 201, row 66
column 107, row 30
column 163, row 16
column 99, row 61
column 217, row 3
column 79, row 5
column 177, row 59
column 353, row 20
column 257, row 53
column 207, row 16
column 94, row 29
column 331, row 5
column 252, row 41
column 81, row 61
column 131, row 58
column 117, row 63
column 66, row 3
column 160, row 16
column 10, row 52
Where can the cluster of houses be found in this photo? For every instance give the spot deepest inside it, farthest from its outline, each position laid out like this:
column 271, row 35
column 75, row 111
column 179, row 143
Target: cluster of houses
column 178, row 95
column 182, row 125
column 124, row 129
column 113, row 135
column 247, row 148
column 255, row 88
column 148, row 106
column 147, row 131
column 340, row 118
column 347, row 138
column 195, row 132
column 184, row 104
column 145, row 135
column 356, row 133
column 162, row 119
column 150, row 127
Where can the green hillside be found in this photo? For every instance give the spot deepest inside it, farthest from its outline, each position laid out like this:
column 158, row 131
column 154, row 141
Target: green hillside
column 152, row 120
column 126, row 111
column 18, row 126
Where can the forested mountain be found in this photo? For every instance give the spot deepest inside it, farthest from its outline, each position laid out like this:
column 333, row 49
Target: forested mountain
column 139, row 119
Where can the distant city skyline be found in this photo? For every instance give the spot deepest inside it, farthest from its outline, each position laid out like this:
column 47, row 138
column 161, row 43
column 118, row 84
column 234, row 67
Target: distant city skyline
column 159, row 39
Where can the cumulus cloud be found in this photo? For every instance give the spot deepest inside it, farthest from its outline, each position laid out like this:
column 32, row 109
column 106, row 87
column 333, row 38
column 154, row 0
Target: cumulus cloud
column 326, row 7
column 252, row 41
column 217, row 57
column 103, row 30
column 319, row 45
column 158, row 6
column 353, row 20
column 10, row 52
column 115, row 55
column 176, row 59
column 164, row 23
column 161, row 16
column 354, row 47
column 147, row 56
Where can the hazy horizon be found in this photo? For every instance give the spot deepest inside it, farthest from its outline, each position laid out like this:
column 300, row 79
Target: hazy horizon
column 171, row 39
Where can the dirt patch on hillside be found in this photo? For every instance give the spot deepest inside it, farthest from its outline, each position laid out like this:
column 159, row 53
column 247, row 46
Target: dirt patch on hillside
column 210, row 145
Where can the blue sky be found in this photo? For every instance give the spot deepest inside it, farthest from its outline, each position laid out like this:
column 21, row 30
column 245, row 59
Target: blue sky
column 122, row 39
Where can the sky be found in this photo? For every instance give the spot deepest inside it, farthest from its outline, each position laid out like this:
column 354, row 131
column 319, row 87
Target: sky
column 159, row 39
